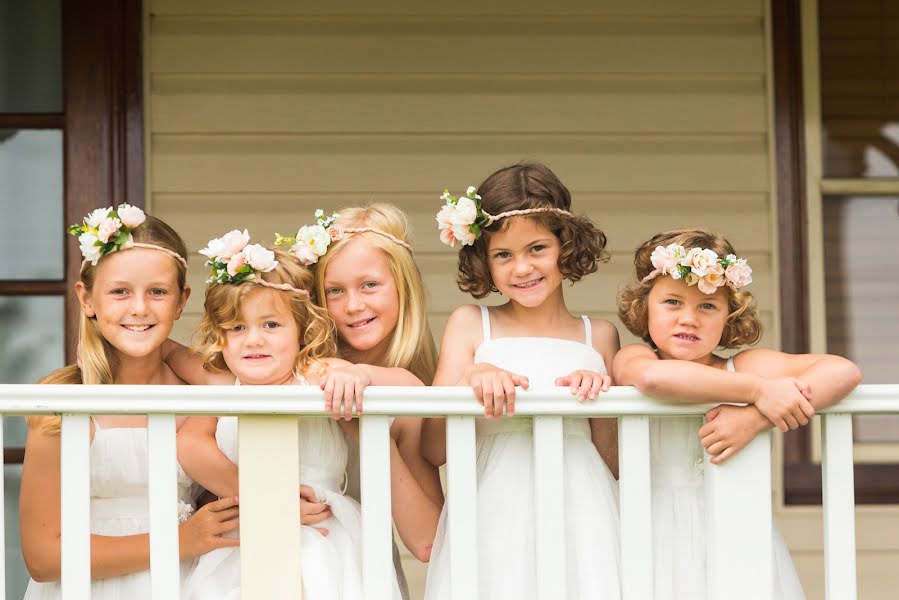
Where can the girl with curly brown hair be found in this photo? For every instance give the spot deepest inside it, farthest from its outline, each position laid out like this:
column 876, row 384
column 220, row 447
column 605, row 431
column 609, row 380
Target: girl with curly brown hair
column 686, row 302
column 520, row 239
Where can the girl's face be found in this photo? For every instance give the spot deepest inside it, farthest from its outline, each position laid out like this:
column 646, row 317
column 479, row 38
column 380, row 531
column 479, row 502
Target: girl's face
column 135, row 299
column 684, row 322
column 362, row 298
column 262, row 348
column 524, row 261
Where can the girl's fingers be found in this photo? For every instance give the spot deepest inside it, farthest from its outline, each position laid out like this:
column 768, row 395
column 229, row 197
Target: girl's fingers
column 710, row 439
column 807, row 409
column 307, row 494
column 225, row 526
column 716, row 448
column 725, row 454
column 487, row 391
column 349, row 400
column 360, row 392
column 478, row 390
column 576, row 379
column 711, row 415
column 337, row 396
column 226, row 542
column 606, row 383
column 227, row 514
column 509, row 390
column 706, row 430
column 222, row 504
column 584, row 388
column 499, row 397
column 595, row 389
column 329, row 393
column 563, row 381
column 322, row 530
column 792, row 422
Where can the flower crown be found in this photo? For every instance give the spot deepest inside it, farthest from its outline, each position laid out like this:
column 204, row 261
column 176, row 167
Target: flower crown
column 700, row 266
column 107, row 230
column 312, row 241
column 232, row 259
column 462, row 219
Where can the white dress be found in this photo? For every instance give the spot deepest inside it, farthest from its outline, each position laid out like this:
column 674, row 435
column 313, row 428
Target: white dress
column 678, row 515
column 119, row 506
column 332, row 564
column 505, row 475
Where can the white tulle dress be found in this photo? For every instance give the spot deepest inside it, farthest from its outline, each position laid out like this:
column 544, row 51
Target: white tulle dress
column 505, row 475
column 679, row 520
column 332, row 564
column 119, row 506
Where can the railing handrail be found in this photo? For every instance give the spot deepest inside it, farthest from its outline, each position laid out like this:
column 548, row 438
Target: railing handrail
column 35, row 399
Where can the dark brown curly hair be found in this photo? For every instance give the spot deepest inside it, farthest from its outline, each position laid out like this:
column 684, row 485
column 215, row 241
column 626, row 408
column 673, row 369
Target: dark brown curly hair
column 742, row 327
column 523, row 186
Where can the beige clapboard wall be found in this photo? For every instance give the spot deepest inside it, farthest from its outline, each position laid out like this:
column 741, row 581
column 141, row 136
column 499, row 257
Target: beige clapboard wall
column 654, row 113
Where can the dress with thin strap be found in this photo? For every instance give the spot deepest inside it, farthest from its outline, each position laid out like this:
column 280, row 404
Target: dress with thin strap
column 505, row 476
column 332, row 564
column 119, row 506
column 679, row 519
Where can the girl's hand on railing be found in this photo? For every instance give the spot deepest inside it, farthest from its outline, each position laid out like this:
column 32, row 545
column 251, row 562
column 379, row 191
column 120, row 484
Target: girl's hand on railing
column 312, row 511
column 729, row 429
column 203, row 531
column 343, row 387
column 785, row 402
column 494, row 388
column 585, row 384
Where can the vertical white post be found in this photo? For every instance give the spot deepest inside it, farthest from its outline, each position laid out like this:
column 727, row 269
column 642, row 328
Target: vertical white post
column 165, row 568
column 2, row 515
column 76, row 507
column 269, row 480
column 839, row 507
column 377, row 524
column 635, row 498
column 738, row 507
column 462, row 522
column 549, row 500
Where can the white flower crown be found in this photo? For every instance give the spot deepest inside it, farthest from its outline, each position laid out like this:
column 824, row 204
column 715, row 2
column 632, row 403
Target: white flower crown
column 107, row 230
column 700, row 266
column 311, row 241
column 233, row 259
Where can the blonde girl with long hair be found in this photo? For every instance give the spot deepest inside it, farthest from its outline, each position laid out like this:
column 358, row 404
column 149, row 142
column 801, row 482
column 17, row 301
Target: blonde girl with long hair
column 132, row 288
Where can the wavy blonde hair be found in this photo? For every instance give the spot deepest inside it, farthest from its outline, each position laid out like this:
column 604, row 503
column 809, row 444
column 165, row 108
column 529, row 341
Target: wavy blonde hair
column 97, row 358
column 742, row 327
column 222, row 309
column 412, row 346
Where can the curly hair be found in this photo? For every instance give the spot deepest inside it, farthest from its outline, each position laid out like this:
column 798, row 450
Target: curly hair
column 742, row 327
column 222, row 308
column 523, row 186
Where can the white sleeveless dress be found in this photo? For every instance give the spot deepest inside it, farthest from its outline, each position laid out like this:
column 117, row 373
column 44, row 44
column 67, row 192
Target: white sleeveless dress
column 119, row 506
column 505, row 474
column 678, row 515
column 332, row 564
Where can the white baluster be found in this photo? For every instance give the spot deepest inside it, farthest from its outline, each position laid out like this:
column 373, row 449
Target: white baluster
column 739, row 536
column 462, row 523
column 2, row 514
column 377, row 535
column 838, row 483
column 635, row 497
column 76, row 508
column 165, row 568
column 549, row 501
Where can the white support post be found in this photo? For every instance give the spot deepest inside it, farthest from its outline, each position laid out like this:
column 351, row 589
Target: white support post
column 75, row 498
column 549, row 500
column 839, row 507
column 377, row 530
column 2, row 514
column 165, row 568
column 635, row 497
column 462, row 521
column 269, row 483
column 738, row 507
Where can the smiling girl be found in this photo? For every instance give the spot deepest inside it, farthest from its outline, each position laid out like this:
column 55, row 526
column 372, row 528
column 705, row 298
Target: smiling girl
column 688, row 301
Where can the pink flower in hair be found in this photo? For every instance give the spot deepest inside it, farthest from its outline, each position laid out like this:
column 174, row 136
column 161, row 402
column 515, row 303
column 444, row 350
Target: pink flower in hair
column 131, row 216
column 107, row 228
column 711, row 282
column 236, row 262
column 700, row 261
column 738, row 274
column 305, row 253
column 445, row 224
column 335, row 232
column 463, row 234
column 233, row 243
column 664, row 259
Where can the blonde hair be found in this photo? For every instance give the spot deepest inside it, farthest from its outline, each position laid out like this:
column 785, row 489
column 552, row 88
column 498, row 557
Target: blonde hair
column 97, row 358
column 412, row 345
column 742, row 327
column 222, row 308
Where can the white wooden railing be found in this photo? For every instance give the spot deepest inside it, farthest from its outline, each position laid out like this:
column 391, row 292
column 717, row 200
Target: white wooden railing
column 738, row 493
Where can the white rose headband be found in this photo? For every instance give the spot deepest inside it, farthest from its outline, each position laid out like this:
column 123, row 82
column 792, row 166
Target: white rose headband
column 462, row 219
column 233, row 260
column 700, row 266
column 107, row 230
column 312, row 241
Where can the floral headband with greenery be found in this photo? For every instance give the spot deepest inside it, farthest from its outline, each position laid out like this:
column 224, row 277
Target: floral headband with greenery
column 312, row 241
column 462, row 219
column 234, row 260
column 700, row 266
column 107, row 230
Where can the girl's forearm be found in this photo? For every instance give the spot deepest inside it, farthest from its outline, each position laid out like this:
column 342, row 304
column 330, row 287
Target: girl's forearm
column 831, row 379
column 414, row 512
column 111, row 556
column 409, row 445
column 691, row 383
column 206, row 465
column 433, row 440
column 389, row 375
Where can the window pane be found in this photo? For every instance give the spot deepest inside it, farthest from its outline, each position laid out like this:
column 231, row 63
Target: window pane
column 32, row 229
column 860, row 88
column 862, row 289
column 30, row 56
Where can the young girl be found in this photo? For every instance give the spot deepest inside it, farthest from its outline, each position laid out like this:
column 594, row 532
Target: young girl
column 261, row 328
column 686, row 302
column 520, row 239
column 131, row 289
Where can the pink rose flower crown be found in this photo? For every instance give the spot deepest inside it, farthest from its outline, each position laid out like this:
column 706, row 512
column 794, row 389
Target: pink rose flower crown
column 701, row 267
